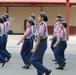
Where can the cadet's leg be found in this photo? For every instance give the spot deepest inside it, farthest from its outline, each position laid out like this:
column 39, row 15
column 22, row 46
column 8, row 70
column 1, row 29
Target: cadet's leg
column 36, row 57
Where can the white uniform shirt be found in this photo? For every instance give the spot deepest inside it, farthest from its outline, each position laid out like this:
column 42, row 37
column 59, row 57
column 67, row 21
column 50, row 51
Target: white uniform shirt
column 43, row 30
column 1, row 29
column 28, row 32
column 7, row 25
column 61, row 33
column 56, row 27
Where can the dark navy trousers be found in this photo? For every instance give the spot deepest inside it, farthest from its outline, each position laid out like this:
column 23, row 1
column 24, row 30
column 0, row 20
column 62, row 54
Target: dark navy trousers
column 53, row 42
column 59, row 52
column 37, row 58
column 1, row 57
column 32, row 41
column 5, row 52
column 26, row 51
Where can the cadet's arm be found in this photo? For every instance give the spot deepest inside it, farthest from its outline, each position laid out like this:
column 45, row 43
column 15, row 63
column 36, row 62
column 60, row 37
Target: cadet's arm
column 37, row 42
column 36, row 45
column 54, row 35
column 21, row 39
column 55, row 45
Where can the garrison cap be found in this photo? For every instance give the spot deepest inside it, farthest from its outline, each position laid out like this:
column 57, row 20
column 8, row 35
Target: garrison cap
column 43, row 14
column 1, row 19
column 33, row 16
column 30, row 21
column 7, row 15
column 4, row 17
column 59, row 16
column 61, row 19
column 64, row 23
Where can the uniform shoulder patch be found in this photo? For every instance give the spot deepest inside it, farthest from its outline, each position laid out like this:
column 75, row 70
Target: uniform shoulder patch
column 41, row 23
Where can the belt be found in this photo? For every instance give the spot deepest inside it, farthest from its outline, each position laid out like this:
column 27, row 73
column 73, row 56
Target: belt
column 63, row 41
column 27, row 39
column 41, row 39
column 44, row 39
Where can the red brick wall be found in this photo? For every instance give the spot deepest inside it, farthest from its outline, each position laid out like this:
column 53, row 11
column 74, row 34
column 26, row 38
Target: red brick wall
column 72, row 30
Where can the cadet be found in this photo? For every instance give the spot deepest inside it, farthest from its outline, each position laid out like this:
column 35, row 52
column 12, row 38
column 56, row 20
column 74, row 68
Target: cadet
column 53, row 38
column 32, row 16
column 40, row 46
column 26, row 47
column 3, row 60
column 60, row 45
column 7, row 25
column 5, row 36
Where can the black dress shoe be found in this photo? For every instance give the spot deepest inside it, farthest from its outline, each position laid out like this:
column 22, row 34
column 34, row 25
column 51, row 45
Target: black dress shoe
column 54, row 60
column 26, row 67
column 9, row 57
column 4, row 62
column 29, row 64
column 56, row 63
column 64, row 59
column 48, row 72
column 63, row 64
column 60, row 68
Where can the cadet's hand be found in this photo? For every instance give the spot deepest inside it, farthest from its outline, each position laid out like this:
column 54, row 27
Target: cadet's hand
column 22, row 41
column 33, row 50
column 18, row 43
column 55, row 45
column 51, row 38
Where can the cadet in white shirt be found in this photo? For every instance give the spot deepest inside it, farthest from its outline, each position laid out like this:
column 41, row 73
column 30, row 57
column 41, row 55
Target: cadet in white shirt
column 40, row 46
column 26, row 47
column 32, row 16
column 60, row 45
column 5, row 36
column 53, row 38
column 3, row 59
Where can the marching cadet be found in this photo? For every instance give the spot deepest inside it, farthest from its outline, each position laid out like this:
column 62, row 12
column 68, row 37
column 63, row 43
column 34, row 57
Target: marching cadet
column 5, row 36
column 2, row 59
column 6, row 33
column 53, row 38
column 62, row 55
column 40, row 46
column 26, row 47
column 32, row 16
column 60, row 45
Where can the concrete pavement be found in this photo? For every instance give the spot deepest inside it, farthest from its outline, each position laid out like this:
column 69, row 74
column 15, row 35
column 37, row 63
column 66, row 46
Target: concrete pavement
column 14, row 67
